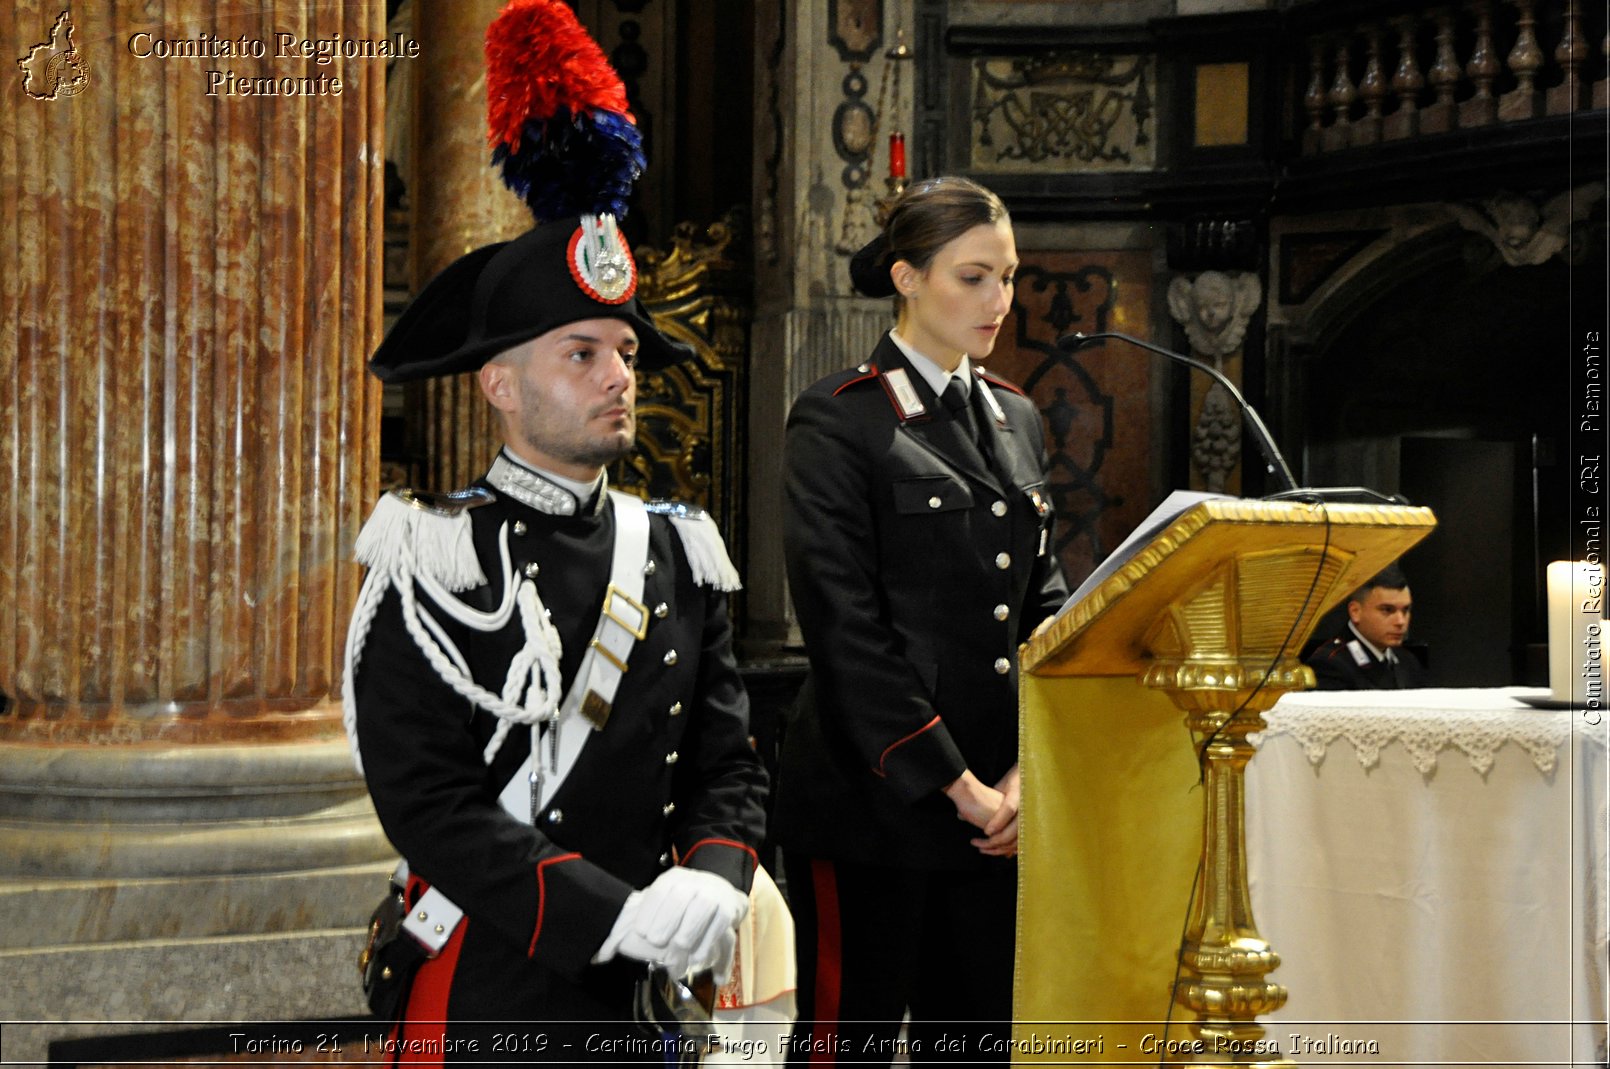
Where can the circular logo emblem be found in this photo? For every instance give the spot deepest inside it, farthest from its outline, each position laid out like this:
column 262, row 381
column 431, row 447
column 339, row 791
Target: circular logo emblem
column 600, row 262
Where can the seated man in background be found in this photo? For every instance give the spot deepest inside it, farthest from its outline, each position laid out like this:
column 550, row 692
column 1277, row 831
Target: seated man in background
column 1369, row 653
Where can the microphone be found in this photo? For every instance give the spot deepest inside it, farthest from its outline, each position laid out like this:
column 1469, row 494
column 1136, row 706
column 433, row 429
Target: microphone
column 1274, row 462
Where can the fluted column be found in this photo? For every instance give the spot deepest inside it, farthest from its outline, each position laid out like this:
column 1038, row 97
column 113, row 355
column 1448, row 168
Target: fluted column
column 190, row 289
column 459, row 204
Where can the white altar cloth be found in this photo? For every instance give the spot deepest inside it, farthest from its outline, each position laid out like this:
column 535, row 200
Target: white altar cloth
column 1430, row 865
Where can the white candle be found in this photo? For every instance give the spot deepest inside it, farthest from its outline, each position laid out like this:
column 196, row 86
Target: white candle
column 1576, row 631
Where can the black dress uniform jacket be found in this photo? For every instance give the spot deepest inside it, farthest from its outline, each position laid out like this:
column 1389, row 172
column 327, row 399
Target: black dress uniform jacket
column 670, row 778
column 1346, row 663
column 916, row 569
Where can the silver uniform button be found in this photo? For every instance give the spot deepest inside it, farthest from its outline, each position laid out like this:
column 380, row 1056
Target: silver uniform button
column 665, row 859
column 671, row 758
column 1003, row 561
column 676, row 709
column 519, row 527
column 999, row 508
column 934, row 502
column 531, row 570
column 670, row 657
column 1002, row 612
column 1002, row 666
column 662, row 610
column 648, row 569
column 557, row 816
column 670, row 807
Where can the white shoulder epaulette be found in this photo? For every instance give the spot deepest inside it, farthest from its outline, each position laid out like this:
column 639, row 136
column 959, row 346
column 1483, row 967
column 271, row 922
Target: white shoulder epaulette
column 425, row 541
column 415, row 534
column 701, row 540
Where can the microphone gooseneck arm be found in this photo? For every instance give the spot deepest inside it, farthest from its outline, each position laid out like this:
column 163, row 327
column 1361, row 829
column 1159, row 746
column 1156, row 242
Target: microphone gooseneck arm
column 1274, row 463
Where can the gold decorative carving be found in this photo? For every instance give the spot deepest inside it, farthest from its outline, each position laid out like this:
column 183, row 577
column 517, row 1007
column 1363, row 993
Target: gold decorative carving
column 689, row 434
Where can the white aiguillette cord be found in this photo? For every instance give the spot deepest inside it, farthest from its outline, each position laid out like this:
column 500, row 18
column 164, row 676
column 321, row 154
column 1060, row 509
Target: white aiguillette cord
column 621, row 622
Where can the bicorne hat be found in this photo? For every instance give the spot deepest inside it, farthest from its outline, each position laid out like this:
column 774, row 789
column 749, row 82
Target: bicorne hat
column 501, row 295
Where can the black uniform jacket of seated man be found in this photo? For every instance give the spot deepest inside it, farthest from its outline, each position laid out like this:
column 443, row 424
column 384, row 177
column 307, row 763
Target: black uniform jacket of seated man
column 916, row 569
column 1346, row 663
column 670, row 778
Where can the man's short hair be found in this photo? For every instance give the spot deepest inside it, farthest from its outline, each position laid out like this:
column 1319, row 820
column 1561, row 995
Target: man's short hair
column 1390, row 578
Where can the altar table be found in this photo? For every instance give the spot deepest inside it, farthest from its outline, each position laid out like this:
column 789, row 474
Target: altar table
column 1430, row 866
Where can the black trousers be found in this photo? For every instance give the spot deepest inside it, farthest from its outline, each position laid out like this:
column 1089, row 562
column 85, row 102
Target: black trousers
column 876, row 944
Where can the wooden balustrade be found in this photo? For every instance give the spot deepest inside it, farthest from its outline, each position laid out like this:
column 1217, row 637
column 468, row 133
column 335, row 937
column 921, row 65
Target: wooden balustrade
column 1447, row 66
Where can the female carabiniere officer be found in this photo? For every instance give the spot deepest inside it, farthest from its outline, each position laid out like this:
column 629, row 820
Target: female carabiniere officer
column 918, row 545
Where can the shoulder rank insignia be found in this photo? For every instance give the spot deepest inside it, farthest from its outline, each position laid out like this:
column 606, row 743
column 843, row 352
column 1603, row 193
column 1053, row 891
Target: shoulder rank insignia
column 996, row 380
column 904, row 395
column 702, row 542
column 448, row 504
column 994, row 406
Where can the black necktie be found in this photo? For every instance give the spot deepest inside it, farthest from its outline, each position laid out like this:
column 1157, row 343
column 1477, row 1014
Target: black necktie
column 956, row 403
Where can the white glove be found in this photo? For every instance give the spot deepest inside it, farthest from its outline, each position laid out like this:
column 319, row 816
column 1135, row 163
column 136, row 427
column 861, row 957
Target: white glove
column 726, row 951
column 624, row 922
column 685, row 920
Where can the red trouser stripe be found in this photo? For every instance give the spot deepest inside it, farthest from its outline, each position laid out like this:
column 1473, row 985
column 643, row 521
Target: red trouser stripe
column 829, row 963
column 425, row 1020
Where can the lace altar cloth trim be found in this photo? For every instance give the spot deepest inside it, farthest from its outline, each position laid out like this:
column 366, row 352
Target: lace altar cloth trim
column 1477, row 722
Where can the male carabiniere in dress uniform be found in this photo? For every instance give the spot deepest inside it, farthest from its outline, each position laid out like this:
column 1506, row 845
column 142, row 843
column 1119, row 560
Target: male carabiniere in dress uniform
column 1370, row 653
column 542, row 686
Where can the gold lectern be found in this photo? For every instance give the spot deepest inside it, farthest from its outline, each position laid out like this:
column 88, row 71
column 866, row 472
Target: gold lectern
column 1136, row 940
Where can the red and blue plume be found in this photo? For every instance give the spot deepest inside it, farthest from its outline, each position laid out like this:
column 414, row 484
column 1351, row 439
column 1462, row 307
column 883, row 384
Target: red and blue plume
column 556, row 114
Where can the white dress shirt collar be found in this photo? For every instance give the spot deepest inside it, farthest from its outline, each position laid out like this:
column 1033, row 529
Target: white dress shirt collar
column 1380, row 655
column 935, row 376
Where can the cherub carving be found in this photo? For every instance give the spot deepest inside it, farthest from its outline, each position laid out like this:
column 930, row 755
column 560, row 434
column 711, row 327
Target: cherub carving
column 1214, row 309
column 1524, row 234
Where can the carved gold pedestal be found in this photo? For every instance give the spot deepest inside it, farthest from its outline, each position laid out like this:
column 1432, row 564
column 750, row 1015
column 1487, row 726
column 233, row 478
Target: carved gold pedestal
column 1224, row 961
column 1209, row 614
column 1220, row 655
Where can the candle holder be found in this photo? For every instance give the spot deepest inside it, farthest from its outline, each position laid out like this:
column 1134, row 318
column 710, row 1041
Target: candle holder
column 895, row 183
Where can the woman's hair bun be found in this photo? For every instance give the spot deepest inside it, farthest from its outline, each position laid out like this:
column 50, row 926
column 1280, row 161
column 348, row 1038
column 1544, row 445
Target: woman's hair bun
column 869, row 269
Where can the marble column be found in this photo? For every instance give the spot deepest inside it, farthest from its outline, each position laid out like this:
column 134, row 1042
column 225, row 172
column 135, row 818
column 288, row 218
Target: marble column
column 192, row 290
column 808, row 219
column 189, row 290
column 459, row 204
